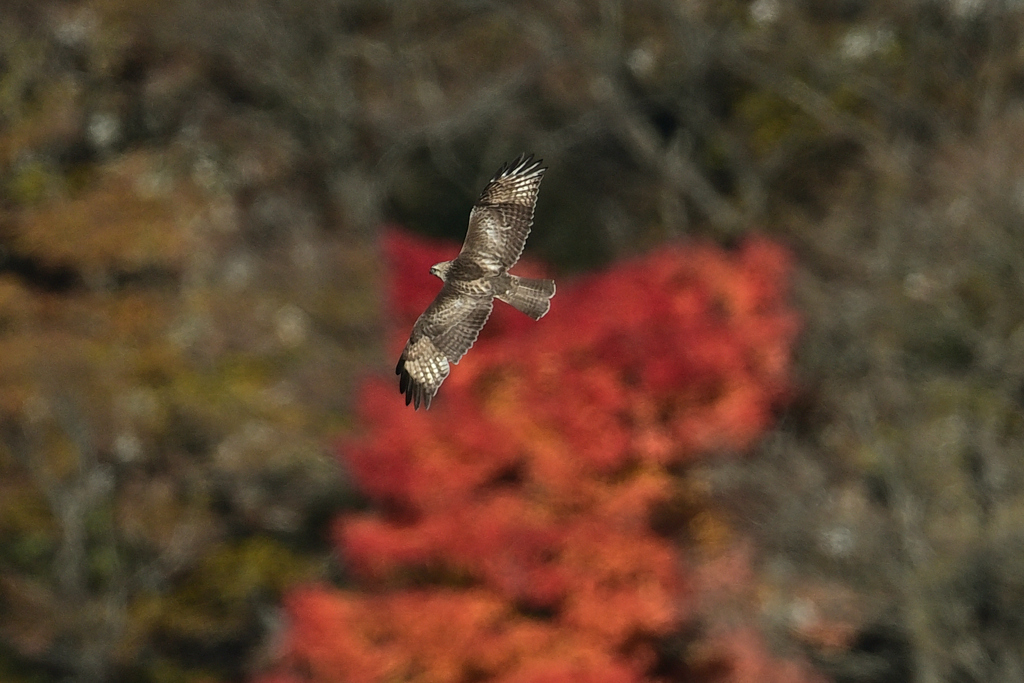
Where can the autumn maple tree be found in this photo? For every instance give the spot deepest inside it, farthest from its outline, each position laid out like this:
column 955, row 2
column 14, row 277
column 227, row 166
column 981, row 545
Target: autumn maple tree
column 510, row 534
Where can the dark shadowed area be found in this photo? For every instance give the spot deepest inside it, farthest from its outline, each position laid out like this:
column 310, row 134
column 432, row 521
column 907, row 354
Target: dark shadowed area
column 771, row 429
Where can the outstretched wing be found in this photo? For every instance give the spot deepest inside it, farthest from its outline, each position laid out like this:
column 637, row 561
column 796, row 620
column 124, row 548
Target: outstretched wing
column 501, row 219
column 443, row 334
column 421, row 369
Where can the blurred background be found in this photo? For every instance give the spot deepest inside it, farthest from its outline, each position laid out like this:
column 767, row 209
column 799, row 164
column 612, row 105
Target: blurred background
column 192, row 196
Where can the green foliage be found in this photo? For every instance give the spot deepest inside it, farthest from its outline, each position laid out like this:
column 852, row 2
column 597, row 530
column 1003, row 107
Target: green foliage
column 218, row 603
column 771, row 121
column 32, row 183
column 165, row 394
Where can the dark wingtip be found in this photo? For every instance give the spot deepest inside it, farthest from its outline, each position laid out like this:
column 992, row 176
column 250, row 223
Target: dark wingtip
column 522, row 163
column 414, row 393
column 503, row 169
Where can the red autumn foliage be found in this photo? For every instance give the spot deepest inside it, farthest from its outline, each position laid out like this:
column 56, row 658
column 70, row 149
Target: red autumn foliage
column 512, row 535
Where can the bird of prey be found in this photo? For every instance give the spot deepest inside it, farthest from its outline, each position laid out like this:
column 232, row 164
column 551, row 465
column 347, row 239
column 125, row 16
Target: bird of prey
column 498, row 226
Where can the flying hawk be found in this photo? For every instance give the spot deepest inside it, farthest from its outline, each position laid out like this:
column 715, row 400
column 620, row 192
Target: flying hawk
column 498, row 226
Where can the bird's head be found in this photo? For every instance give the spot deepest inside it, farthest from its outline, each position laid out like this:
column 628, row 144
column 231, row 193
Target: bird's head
column 441, row 270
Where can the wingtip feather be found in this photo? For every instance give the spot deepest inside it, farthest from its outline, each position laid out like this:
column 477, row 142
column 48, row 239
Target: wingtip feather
column 547, row 307
column 524, row 164
column 415, row 394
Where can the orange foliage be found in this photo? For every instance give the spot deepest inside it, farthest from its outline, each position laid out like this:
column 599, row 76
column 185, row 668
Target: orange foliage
column 512, row 536
column 740, row 656
column 144, row 220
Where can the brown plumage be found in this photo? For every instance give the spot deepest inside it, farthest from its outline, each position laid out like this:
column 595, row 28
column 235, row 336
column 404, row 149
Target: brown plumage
column 498, row 227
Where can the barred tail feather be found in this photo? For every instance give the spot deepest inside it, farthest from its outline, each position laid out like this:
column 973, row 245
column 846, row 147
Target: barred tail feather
column 531, row 296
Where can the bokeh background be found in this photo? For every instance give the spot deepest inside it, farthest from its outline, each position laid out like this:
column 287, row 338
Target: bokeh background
column 771, row 429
